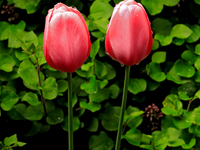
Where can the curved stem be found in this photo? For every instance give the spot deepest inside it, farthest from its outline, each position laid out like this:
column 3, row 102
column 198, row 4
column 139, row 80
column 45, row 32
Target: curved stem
column 70, row 112
column 123, row 106
column 42, row 98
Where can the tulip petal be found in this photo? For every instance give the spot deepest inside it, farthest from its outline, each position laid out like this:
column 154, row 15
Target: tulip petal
column 128, row 39
column 66, row 41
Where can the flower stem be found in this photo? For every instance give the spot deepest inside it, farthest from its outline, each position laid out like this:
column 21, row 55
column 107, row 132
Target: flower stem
column 123, row 106
column 70, row 112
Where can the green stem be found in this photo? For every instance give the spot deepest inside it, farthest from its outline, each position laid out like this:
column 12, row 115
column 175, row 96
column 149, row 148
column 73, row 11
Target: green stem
column 123, row 106
column 70, row 112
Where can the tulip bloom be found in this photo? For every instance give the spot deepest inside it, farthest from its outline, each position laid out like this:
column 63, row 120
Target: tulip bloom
column 129, row 36
column 66, row 42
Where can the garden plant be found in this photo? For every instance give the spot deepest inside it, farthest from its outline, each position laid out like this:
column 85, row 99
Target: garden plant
column 74, row 93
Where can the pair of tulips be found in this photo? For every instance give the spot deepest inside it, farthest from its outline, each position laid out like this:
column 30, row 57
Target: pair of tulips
column 67, row 42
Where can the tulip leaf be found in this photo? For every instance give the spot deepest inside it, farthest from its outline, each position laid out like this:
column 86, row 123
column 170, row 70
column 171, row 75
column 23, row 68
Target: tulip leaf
column 100, row 142
column 133, row 136
column 92, row 106
column 184, row 70
column 136, row 86
column 155, row 72
column 7, row 63
column 159, row 57
column 110, row 118
column 181, row 31
column 76, row 123
column 100, row 9
column 55, row 116
column 153, row 6
column 31, row 98
column 8, row 99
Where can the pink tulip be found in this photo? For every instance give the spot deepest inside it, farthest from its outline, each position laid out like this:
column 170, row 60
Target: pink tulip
column 129, row 36
column 66, row 42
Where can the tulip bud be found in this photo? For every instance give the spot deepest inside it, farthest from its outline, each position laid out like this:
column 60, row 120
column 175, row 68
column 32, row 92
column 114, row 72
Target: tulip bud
column 66, row 42
column 129, row 36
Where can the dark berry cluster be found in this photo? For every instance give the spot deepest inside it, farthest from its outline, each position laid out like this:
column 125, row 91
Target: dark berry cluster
column 153, row 115
column 8, row 13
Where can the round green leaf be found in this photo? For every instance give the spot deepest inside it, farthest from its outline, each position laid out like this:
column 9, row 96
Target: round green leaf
column 155, row 72
column 92, row 106
column 94, row 48
column 100, row 96
column 34, row 112
column 8, row 99
column 154, row 6
column 180, row 123
column 184, row 70
column 55, row 116
column 197, row 49
column 5, row 30
column 100, row 142
column 170, row 2
column 111, row 72
column 50, row 88
column 164, row 40
column 91, row 87
column 93, row 124
column 133, row 136
column 114, row 91
column 181, row 31
column 189, row 56
column 100, row 9
column 8, row 141
column 17, row 112
column 136, row 86
column 100, row 69
column 62, row 85
column 7, row 62
column 161, row 26
column 195, row 35
column 31, row 98
column 155, row 44
column 110, row 118
column 76, row 123
column 159, row 57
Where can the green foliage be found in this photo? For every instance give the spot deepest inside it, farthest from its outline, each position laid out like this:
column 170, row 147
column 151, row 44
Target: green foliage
column 34, row 95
